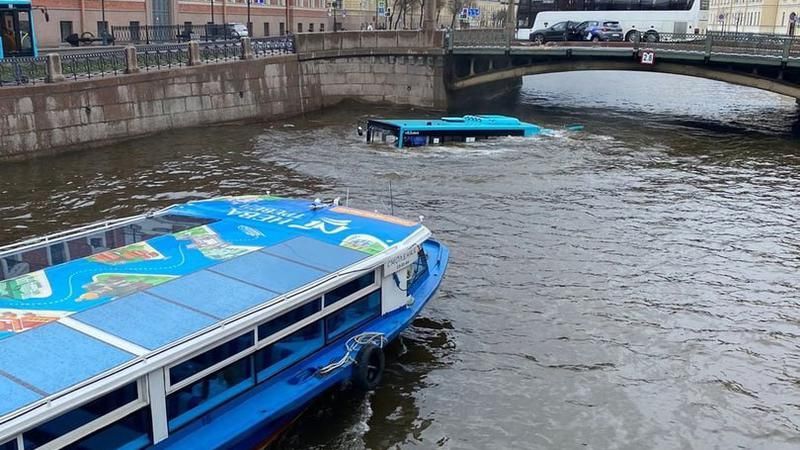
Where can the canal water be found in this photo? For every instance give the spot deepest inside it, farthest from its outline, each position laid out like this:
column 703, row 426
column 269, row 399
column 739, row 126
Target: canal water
column 635, row 285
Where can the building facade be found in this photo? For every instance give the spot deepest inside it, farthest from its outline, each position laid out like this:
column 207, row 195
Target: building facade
column 407, row 14
column 755, row 16
column 56, row 19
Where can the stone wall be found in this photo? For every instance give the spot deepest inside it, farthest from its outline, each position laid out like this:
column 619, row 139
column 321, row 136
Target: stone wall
column 82, row 114
column 399, row 80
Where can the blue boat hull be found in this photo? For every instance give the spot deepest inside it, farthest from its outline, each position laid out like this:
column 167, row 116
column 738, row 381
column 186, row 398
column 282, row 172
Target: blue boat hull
column 258, row 416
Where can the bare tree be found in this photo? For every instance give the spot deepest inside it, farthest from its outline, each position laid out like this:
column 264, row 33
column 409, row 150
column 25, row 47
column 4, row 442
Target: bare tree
column 455, row 7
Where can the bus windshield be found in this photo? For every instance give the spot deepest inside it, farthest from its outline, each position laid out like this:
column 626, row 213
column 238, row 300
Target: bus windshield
column 16, row 30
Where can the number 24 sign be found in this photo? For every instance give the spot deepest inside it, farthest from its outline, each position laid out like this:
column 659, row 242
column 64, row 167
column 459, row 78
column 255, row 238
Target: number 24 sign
column 648, row 57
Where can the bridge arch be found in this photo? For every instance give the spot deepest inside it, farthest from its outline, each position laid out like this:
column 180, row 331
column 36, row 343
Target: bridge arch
column 712, row 72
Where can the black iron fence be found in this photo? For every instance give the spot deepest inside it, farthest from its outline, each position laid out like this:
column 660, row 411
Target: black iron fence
column 93, row 65
column 148, row 34
column 268, row 46
column 101, row 63
column 156, row 57
column 19, row 71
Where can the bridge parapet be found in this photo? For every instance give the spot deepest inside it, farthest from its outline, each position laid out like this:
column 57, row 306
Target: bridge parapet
column 324, row 45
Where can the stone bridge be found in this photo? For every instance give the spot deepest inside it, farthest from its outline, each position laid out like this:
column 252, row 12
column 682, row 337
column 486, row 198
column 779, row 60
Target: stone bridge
column 772, row 63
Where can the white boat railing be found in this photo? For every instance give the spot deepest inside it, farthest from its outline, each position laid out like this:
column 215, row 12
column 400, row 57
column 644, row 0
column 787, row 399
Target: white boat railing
column 81, row 231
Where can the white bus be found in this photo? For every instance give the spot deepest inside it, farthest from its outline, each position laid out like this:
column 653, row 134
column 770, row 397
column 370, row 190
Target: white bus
column 649, row 18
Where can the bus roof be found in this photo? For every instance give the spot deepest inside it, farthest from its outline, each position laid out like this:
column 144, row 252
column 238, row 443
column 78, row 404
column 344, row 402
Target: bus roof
column 71, row 322
column 469, row 122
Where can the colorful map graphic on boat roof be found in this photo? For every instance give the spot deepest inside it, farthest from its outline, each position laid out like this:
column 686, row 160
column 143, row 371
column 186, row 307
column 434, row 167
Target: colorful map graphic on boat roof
column 58, row 279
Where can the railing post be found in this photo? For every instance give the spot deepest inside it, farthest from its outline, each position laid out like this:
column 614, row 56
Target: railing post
column 247, row 48
column 194, row 54
column 637, row 37
column 787, row 46
column 131, row 61
column 709, row 38
column 54, row 74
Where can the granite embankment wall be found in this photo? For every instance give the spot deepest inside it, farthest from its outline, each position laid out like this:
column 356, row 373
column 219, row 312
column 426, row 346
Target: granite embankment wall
column 48, row 118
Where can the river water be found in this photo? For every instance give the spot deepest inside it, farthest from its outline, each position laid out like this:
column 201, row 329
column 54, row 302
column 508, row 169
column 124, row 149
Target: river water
column 632, row 286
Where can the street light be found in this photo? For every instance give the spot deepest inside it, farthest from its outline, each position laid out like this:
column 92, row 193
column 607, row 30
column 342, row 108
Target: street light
column 249, row 31
column 103, row 18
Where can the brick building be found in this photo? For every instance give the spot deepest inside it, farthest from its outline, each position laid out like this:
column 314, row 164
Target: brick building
column 267, row 17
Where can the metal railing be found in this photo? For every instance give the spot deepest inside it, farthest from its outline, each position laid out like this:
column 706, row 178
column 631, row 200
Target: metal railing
column 21, row 71
column 220, row 51
column 147, row 34
column 269, row 46
column 118, row 61
column 478, row 37
column 162, row 56
column 93, row 65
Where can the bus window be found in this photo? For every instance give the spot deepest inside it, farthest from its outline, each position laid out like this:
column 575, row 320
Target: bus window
column 25, row 35
column 7, row 33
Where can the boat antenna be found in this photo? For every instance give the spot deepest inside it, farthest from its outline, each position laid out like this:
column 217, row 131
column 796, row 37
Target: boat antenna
column 391, row 197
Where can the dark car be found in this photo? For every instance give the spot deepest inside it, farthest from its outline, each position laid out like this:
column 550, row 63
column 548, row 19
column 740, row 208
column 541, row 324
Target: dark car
column 561, row 31
column 599, row 30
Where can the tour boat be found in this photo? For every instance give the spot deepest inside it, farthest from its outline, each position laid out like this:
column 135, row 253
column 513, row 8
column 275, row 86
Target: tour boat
column 419, row 132
column 210, row 324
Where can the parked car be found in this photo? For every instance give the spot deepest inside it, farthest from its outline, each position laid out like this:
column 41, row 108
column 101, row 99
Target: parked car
column 237, row 30
column 561, row 31
column 599, row 30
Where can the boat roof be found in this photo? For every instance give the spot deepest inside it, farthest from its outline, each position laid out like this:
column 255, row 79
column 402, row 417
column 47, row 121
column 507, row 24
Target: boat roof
column 231, row 254
column 471, row 122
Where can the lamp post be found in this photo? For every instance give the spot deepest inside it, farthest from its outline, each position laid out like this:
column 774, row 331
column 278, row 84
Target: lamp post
column 249, row 31
column 103, row 18
column 212, row 12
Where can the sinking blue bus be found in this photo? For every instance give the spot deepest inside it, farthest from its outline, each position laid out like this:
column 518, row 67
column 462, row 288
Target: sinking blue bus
column 16, row 29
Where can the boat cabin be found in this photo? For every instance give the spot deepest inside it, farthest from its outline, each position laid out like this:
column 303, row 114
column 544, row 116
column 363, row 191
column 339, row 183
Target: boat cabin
column 416, row 132
column 198, row 326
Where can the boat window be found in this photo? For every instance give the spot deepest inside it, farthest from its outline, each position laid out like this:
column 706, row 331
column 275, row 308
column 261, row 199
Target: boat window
column 353, row 315
column 200, row 397
column 205, row 360
column 349, row 288
column 10, row 445
column 288, row 319
column 287, row 351
column 59, row 252
column 132, row 432
column 80, row 416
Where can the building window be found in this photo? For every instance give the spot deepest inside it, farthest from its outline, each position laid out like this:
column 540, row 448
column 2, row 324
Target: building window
column 281, row 354
column 207, row 359
column 349, row 288
column 10, row 445
column 310, row 27
column 266, row 28
column 66, row 29
column 102, row 27
column 288, row 319
column 353, row 315
column 322, row 27
column 131, row 432
column 200, row 397
column 299, row 27
column 282, row 28
column 78, row 417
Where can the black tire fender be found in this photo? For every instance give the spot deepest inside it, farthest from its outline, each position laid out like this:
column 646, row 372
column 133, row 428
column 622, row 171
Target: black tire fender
column 368, row 370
